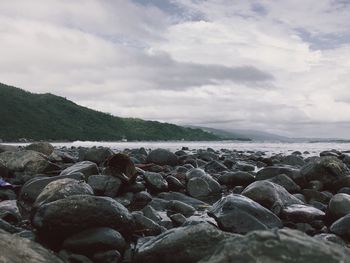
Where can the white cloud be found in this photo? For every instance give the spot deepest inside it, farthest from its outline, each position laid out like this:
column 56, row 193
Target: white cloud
column 240, row 64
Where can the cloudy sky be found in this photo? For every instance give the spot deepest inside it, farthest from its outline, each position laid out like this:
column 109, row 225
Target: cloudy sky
column 280, row 66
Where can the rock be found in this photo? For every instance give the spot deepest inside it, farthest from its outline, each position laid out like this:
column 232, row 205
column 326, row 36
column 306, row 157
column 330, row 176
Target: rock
column 145, row 226
column 239, row 214
column 120, row 165
column 270, row 195
column 4, row 171
column 293, row 160
column 61, row 189
column 341, row 227
column 105, row 185
column 9, row 211
column 14, row 249
column 175, row 207
column 272, row 171
column 4, row 225
column 314, row 195
column 339, row 205
column 155, row 182
column 178, row 219
column 286, row 182
column 162, row 157
column 246, row 167
column 95, row 155
column 325, row 169
column 29, row 162
column 214, row 186
column 189, row 244
column 283, row 245
column 94, row 240
column 110, row 256
column 76, row 213
column 87, row 168
column 302, row 213
column 41, row 147
column 174, row 184
column 140, row 200
column 198, row 187
column 8, row 148
column 236, row 178
column 60, row 156
column 331, row 238
column 197, row 204
column 215, row 167
column 32, row 188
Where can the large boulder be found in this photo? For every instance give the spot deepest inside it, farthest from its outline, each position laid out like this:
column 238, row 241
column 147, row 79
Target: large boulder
column 270, row 195
column 14, row 249
column 236, row 178
column 201, row 184
column 95, row 154
column 239, row 214
column 341, row 227
column 283, row 245
column 326, row 169
column 183, row 244
column 105, row 185
column 76, row 213
column 155, row 182
column 41, row 147
column 60, row 189
column 30, row 162
column 302, row 213
column 272, row 171
column 162, row 157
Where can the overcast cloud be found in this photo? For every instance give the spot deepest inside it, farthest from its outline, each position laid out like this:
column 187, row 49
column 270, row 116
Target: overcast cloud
column 271, row 65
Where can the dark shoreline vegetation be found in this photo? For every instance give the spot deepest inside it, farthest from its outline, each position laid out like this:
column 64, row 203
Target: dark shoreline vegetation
column 141, row 205
column 33, row 117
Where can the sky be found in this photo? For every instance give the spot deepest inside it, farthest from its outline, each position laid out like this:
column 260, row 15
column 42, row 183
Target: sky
column 280, row 66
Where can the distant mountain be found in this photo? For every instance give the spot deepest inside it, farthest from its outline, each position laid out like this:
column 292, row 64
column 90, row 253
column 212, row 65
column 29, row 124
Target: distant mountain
column 49, row 117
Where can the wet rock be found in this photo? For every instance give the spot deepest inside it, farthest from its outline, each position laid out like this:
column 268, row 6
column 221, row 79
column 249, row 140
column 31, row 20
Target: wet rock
column 9, row 211
column 41, row 147
column 283, row 245
column 95, row 155
column 32, row 188
column 109, row 256
column 61, row 189
column 140, row 200
column 76, row 213
column 286, row 182
column 174, row 184
column 324, row 169
column 29, row 162
column 93, row 240
column 198, row 187
column 331, row 238
column 175, row 206
column 214, row 167
column 246, row 167
column 197, row 204
column 105, row 185
column 59, row 156
column 314, row 195
column 120, row 165
column 14, row 249
column 272, row 171
column 86, row 167
column 214, row 186
column 145, row 226
column 302, row 213
column 293, row 160
column 8, row 148
column 341, row 227
column 339, row 205
column 4, row 171
column 155, row 182
column 236, row 178
column 239, row 214
column 162, row 157
column 178, row 219
column 270, row 195
column 4, row 225
column 189, row 244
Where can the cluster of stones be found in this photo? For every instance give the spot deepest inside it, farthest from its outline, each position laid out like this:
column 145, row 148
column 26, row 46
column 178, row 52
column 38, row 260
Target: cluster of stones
column 96, row 205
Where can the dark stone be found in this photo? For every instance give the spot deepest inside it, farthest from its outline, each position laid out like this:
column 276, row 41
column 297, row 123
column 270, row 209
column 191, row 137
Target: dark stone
column 293, row 160
column 93, row 240
column 4, row 225
column 110, row 256
column 95, row 155
column 215, row 167
column 76, row 213
column 14, row 249
column 302, row 213
column 105, row 185
column 41, row 147
column 214, row 186
column 283, row 245
column 270, row 195
column 198, row 187
column 174, row 184
column 61, row 189
column 272, row 171
column 339, row 206
column 9, row 211
column 140, row 200
column 145, row 226
column 178, row 219
column 239, row 214
column 182, row 244
column 175, row 206
column 162, row 157
column 120, row 165
column 87, row 168
column 314, row 195
column 236, row 178
column 197, row 204
column 155, row 182
column 331, row 238
column 324, row 169
column 286, row 182
column 341, row 227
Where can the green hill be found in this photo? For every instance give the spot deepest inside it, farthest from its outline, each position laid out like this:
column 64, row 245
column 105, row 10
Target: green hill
column 49, row 117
